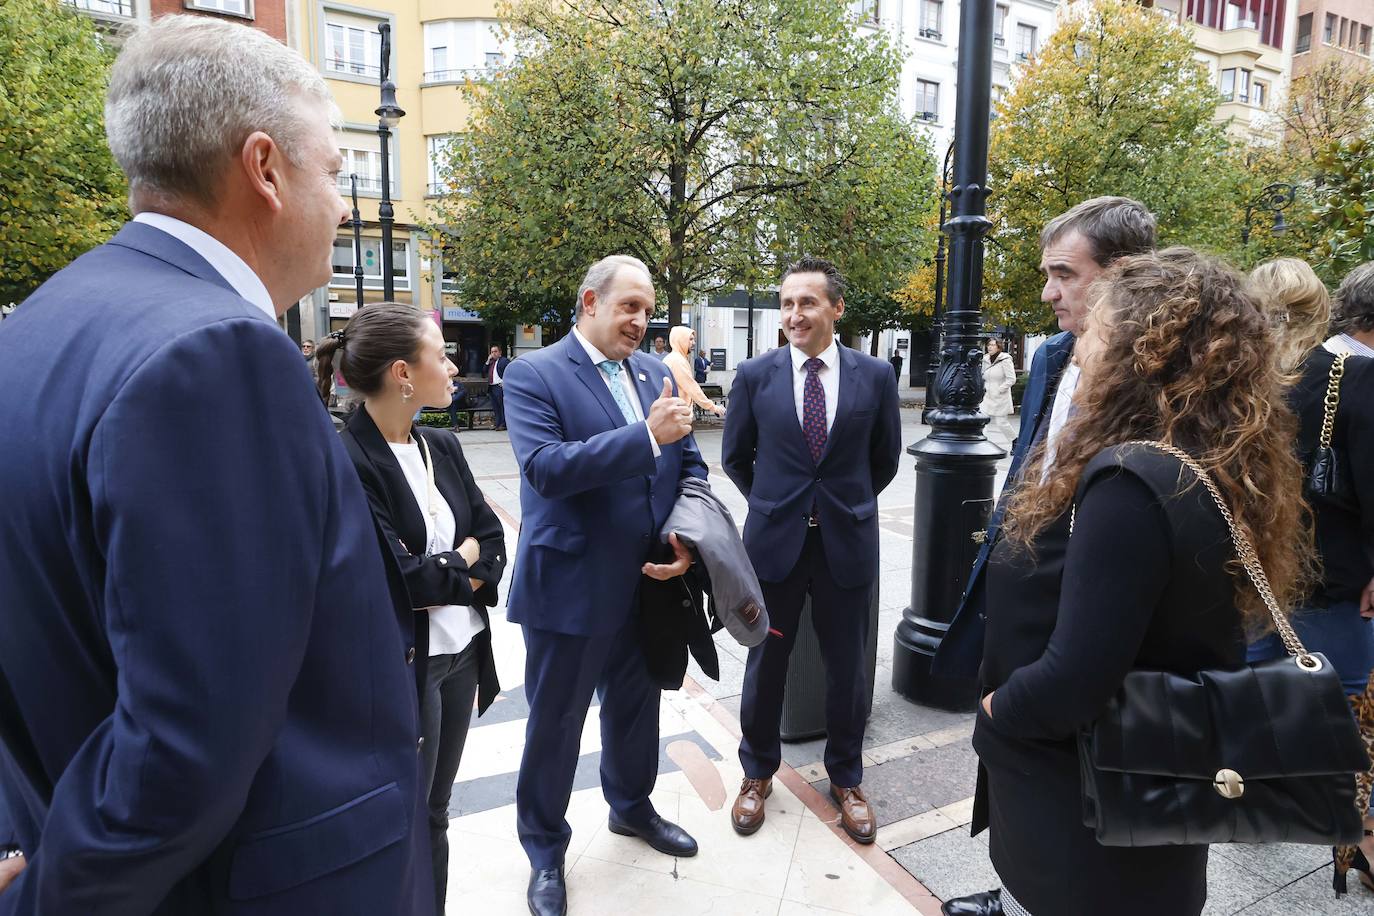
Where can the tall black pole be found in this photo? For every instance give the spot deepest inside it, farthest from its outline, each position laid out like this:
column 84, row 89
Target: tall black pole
column 749, row 346
column 955, row 464
column 388, row 113
column 938, row 307
column 357, row 243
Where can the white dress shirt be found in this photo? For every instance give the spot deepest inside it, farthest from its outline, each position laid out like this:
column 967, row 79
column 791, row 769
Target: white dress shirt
column 829, row 378
column 626, row 381
column 451, row 627
column 227, row 264
column 1059, row 414
column 1345, row 343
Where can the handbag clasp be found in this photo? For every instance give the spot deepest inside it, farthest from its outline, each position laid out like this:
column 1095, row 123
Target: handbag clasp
column 1229, row 784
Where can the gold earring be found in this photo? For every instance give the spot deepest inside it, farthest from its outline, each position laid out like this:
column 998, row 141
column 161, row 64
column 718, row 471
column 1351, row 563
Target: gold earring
column 407, row 391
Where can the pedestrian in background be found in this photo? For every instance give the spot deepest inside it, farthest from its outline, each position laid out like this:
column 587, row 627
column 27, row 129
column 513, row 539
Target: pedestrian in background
column 700, row 366
column 814, row 434
column 1335, row 391
column 449, row 543
column 495, row 373
column 661, row 350
column 999, row 375
column 308, row 350
column 1119, row 559
column 207, row 706
column 683, row 340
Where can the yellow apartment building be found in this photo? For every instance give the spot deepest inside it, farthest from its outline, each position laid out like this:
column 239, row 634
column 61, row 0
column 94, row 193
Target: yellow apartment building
column 437, row 46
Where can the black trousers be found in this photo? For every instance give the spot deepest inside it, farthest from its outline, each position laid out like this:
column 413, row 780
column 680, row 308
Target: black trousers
column 840, row 618
column 445, row 714
column 498, row 406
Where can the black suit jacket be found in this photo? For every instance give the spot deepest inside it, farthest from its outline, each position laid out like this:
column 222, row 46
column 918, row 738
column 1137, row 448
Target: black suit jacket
column 501, row 365
column 442, row 578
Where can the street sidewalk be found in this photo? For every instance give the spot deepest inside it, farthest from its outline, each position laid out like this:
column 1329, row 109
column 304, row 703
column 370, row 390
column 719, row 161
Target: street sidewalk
column 919, row 774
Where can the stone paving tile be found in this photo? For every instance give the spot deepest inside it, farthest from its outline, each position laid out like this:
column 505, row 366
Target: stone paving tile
column 925, row 780
column 1279, row 863
column 950, row 864
column 1312, row 896
column 1231, row 887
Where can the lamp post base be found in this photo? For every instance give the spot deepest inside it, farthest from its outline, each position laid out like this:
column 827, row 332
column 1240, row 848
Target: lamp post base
column 914, row 648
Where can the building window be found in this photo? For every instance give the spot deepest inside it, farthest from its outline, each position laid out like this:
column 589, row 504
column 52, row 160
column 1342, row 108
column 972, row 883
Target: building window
column 1304, row 42
column 1260, row 94
column 1025, row 41
column 1364, row 39
column 233, row 7
column 932, row 11
column 999, row 28
column 927, row 100
column 372, row 263
column 124, row 8
column 362, row 156
column 352, row 45
column 460, row 49
column 1235, row 85
column 1329, row 30
column 441, row 148
column 866, row 10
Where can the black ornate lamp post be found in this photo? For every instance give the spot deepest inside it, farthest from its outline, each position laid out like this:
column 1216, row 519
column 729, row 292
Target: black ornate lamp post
column 357, row 243
column 933, row 362
column 955, row 464
column 388, row 114
column 1274, row 199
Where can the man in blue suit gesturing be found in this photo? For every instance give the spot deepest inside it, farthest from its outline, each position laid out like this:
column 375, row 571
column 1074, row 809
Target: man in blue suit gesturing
column 207, row 683
column 602, row 445
column 812, row 436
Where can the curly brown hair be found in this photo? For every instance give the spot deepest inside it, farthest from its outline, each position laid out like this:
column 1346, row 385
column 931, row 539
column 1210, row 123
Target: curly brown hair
column 1186, row 358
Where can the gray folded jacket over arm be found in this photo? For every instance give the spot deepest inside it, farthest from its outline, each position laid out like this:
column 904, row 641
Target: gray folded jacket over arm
column 703, row 524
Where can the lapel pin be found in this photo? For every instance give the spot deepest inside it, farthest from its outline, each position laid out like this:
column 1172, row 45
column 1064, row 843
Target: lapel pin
column 643, row 377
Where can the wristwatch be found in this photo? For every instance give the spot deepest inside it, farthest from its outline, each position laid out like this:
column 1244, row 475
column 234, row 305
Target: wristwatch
column 12, row 853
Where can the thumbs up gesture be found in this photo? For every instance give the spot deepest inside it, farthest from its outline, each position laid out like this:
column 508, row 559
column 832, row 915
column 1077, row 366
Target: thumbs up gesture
column 670, row 418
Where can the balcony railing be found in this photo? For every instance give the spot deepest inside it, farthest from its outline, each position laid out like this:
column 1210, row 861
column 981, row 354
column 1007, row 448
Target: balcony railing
column 458, row 74
column 929, row 116
column 124, row 8
column 999, row 40
column 1023, row 56
column 334, row 65
column 366, row 185
column 932, row 34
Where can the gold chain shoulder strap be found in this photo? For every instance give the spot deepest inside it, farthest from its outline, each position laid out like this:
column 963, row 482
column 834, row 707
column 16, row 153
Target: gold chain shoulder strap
column 1333, row 398
column 1244, row 550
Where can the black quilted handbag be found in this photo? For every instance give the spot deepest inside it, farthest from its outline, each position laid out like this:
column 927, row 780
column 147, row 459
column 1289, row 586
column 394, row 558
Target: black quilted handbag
column 1328, row 474
column 1266, row 753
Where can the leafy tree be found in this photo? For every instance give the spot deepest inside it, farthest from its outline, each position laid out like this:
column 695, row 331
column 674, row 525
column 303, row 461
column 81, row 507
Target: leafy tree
column 59, row 185
column 713, row 139
column 1114, row 103
column 1331, row 104
column 1345, row 208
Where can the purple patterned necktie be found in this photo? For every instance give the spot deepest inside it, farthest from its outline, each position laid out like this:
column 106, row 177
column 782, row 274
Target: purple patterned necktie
column 813, row 409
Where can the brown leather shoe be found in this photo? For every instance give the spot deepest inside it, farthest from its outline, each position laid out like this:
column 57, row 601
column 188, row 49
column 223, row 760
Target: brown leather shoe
column 747, row 814
column 856, row 817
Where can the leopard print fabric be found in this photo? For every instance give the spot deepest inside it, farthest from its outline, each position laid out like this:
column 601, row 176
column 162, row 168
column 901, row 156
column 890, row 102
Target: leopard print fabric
column 1363, row 706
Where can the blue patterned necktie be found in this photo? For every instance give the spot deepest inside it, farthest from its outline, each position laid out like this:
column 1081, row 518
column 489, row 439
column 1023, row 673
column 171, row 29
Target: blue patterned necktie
column 813, row 409
column 612, row 370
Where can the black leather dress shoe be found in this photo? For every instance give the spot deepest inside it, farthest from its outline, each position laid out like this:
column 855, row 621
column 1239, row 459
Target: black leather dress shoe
column 548, row 892
column 989, row 904
column 666, row 837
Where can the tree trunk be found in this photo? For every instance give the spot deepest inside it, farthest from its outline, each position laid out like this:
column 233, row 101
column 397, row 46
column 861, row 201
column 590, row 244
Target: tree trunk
column 873, row 343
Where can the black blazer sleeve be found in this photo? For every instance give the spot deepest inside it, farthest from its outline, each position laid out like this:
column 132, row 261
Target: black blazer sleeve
column 741, row 434
column 485, row 527
column 886, row 451
column 1117, row 567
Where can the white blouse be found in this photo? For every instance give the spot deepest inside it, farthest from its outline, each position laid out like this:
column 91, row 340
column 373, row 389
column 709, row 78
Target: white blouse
column 451, row 627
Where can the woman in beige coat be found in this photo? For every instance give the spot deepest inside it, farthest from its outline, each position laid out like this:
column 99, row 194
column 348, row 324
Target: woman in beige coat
column 681, row 341
column 999, row 374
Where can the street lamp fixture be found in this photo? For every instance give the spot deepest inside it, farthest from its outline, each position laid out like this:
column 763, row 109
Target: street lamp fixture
column 937, row 308
column 1273, row 199
column 955, row 464
column 357, row 243
column 388, row 115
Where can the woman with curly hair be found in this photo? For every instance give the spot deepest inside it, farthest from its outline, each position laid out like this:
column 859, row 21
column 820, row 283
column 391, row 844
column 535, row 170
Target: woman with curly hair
column 1116, row 558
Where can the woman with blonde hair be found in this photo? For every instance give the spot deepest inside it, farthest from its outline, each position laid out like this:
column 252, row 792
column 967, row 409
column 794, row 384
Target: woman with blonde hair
column 1115, row 558
column 682, row 340
column 1333, row 397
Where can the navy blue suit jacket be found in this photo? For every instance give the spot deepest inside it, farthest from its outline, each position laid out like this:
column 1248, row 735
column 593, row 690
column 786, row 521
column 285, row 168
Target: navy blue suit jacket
column 961, row 651
column 205, row 705
column 592, row 495
column 766, row 455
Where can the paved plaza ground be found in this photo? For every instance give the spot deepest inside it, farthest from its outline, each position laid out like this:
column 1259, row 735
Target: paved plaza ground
column 919, row 774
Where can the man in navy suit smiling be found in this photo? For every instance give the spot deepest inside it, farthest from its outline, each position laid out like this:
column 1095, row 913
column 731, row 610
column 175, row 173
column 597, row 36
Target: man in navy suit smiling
column 813, row 435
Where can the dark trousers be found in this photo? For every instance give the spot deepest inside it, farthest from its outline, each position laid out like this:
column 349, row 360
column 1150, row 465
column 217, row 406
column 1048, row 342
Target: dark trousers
column 498, row 406
column 445, row 713
column 840, row 617
column 561, row 672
